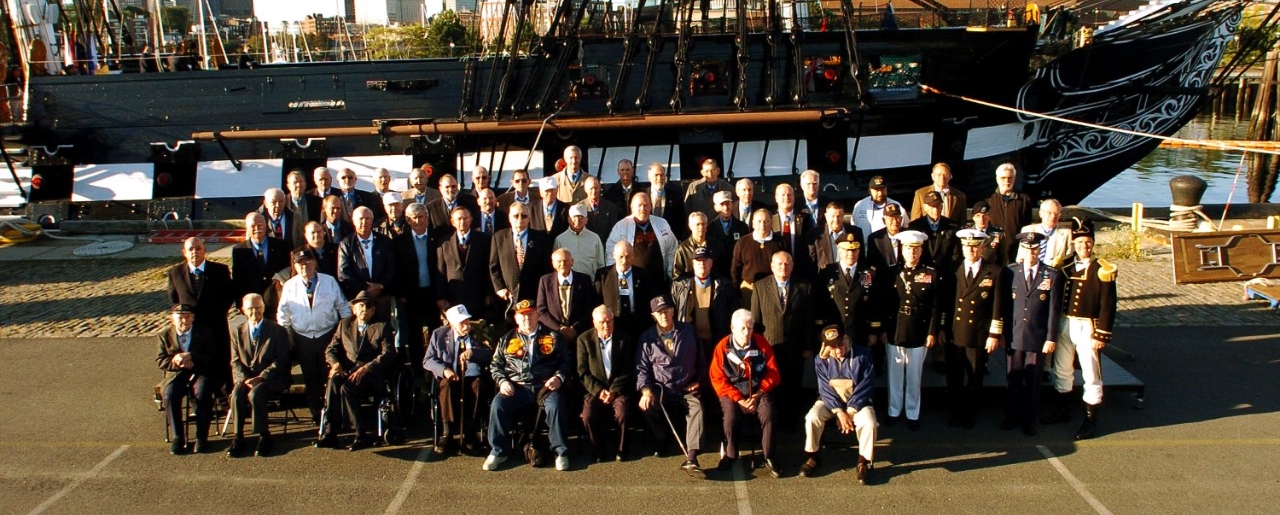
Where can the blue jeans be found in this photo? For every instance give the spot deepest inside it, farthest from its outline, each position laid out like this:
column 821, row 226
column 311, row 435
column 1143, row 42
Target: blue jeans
column 504, row 410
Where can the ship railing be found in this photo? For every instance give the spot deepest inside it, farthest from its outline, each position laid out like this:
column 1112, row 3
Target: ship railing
column 11, row 112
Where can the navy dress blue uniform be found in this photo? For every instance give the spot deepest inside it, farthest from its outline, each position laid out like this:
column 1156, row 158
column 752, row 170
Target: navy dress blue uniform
column 973, row 313
column 1031, row 314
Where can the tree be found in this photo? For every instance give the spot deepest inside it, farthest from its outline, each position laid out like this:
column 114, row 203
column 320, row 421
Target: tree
column 176, row 19
column 448, row 28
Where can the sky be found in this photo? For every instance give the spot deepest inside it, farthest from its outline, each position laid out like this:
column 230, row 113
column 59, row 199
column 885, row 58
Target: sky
column 295, row 10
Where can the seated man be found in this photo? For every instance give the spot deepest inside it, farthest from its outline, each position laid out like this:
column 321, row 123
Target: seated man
column 845, row 383
column 360, row 356
column 744, row 374
column 458, row 358
column 668, row 371
column 530, row 363
column 186, row 357
column 606, row 364
column 259, row 371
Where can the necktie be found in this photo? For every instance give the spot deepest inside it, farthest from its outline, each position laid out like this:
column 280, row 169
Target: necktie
column 197, row 280
column 257, row 251
column 564, row 299
column 893, row 257
column 519, row 252
column 973, row 271
column 311, row 291
column 276, row 226
column 782, row 295
column 786, row 231
column 659, row 202
column 253, row 340
column 462, row 249
column 484, row 227
column 548, row 216
column 624, row 300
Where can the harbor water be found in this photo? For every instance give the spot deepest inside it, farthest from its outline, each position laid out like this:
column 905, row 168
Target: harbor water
column 1147, row 181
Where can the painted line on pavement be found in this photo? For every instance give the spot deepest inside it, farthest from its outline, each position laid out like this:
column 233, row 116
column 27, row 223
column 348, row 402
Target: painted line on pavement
column 740, row 489
column 1075, row 483
column 78, row 480
column 409, row 480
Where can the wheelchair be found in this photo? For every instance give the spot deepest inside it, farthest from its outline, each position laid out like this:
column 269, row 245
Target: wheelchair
column 388, row 417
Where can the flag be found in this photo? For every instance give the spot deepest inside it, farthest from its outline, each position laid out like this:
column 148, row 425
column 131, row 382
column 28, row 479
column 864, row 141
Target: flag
column 68, row 52
column 889, row 22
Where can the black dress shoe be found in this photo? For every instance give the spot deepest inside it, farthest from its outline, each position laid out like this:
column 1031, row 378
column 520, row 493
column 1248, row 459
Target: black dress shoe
column 361, row 442
column 237, row 447
column 328, row 441
column 892, row 421
column 913, row 425
column 726, row 463
column 1008, row 424
column 265, row 445
column 692, row 468
column 773, row 468
column 863, row 472
column 177, row 448
column 202, row 446
column 809, row 466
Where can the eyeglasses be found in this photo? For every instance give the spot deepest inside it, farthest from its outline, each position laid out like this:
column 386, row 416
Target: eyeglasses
column 521, row 216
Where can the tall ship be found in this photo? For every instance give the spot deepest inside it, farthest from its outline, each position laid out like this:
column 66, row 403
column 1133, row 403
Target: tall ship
column 767, row 88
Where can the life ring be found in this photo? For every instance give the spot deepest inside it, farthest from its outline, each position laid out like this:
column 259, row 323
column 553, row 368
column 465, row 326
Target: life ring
column 18, row 230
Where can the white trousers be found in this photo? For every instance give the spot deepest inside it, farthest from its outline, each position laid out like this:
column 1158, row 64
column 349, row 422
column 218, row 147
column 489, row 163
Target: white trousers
column 864, row 422
column 1075, row 341
column 906, row 364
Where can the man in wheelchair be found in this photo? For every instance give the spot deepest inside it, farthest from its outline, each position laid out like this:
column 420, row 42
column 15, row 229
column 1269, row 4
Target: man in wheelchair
column 361, row 357
column 458, row 358
column 530, row 366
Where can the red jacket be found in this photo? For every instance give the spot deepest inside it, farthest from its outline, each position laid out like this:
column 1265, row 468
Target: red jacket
column 756, row 371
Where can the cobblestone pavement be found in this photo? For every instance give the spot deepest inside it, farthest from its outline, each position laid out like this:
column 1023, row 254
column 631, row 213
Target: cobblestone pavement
column 116, row 297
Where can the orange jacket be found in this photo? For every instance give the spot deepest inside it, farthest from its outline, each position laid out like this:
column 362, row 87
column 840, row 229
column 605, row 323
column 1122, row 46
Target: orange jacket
column 759, row 373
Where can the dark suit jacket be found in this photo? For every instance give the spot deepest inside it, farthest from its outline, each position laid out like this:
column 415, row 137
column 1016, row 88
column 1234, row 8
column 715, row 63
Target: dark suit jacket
column 622, row 379
column 820, row 253
column 201, row 349
column 559, row 224
column 973, row 309
column 956, row 200
column 406, row 283
column 328, row 260
column 800, row 251
column 464, row 281
column 506, row 199
column 643, row 289
column 292, row 228
column 802, row 205
column 270, row 362
column 345, row 229
column 582, row 300
column 505, row 271
column 737, row 230
column 674, row 212
column 856, row 303
column 354, row 276
column 942, row 248
column 438, row 212
column 724, row 300
column 601, row 221
column 880, row 251
column 1032, row 310
column 317, row 198
column 790, row 327
column 251, row 275
column 368, row 199
column 499, row 221
column 216, row 296
column 309, row 210
column 376, row 349
column 614, row 192
column 1011, row 214
column 698, row 196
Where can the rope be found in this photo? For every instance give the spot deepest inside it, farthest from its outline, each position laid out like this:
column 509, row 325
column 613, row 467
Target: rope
column 1218, row 145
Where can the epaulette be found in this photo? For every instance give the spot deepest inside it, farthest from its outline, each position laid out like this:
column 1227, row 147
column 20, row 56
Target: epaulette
column 1106, row 271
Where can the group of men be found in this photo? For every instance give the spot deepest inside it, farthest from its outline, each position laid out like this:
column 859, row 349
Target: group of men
column 698, row 304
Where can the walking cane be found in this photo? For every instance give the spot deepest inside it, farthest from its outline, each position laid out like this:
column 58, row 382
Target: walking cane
column 462, row 395
column 662, row 403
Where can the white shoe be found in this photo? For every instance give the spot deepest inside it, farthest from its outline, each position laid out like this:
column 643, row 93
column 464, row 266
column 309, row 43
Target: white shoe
column 491, row 463
column 562, row 463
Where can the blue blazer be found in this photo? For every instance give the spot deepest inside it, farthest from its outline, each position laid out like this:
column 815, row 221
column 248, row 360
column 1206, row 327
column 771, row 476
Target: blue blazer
column 443, row 350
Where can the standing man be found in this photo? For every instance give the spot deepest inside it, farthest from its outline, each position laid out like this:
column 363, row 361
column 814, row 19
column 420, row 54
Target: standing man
column 282, row 223
column 851, row 291
column 726, row 228
column 479, row 181
column 305, row 207
column 1090, row 310
column 420, row 191
column 973, row 325
column 666, row 200
column 745, row 375
column 698, row 238
column 462, row 261
column 381, row 181
column 353, row 198
column 601, row 213
column 1035, row 293
column 606, row 365
column 915, row 323
column 367, row 263
column 323, row 179
column 884, row 249
column 206, row 289
column 336, row 226
column 953, row 201
column 869, row 213
column 552, row 214
column 812, row 202
column 623, row 288
column 186, row 355
column 487, row 218
column 326, row 251
column 620, row 192
column 394, row 225
column 789, row 223
column 530, row 366
column 783, row 309
column 669, row 370
column 846, row 380
column 700, row 193
column 458, row 358
column 361, row 357
column 518, row 258
column 746, row 203
column 705, row 300
column 940, row 250
column 1058, row 240
column 256, row 261
column 570, row 179
column 520, row 192
column 565, row 298
column 450, row 197
column 417, row 282
column 998, row 248
column 824, row 237
column 311, row 306
column 653, row 244
column 1010, row 209
column 753, row 255
column 259, row 371
column 583, row 243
